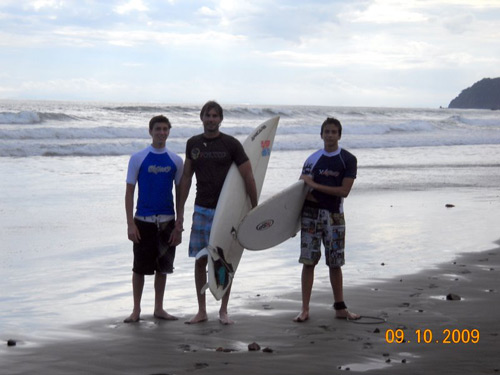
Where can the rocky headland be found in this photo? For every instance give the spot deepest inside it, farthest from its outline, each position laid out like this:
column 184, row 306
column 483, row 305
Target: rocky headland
column 484, row 94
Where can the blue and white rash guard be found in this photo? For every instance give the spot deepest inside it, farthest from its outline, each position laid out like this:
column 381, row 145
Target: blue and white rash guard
column 155, row 171
column 330, row 168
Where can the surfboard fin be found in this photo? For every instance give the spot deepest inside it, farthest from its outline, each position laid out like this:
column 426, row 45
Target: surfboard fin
column 204, row 288
column 224, row 271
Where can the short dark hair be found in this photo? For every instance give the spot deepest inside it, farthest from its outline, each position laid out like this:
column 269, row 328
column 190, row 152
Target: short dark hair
column 157, row 119
column 212, row 104
column 332, row 121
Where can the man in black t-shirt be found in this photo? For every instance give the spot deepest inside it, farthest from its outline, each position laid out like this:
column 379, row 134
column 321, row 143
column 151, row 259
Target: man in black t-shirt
column 209, row 156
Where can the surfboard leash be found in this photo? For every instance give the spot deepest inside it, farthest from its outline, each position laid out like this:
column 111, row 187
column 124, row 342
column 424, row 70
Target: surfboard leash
column 371, row 320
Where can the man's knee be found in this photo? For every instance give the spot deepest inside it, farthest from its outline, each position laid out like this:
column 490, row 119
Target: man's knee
column 201, row 262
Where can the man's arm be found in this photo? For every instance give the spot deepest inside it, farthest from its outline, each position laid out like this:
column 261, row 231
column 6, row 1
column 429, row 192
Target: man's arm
column 339, row 191
column 176, row 235
column 133, row 231
column 182, row 193
column 247, row 174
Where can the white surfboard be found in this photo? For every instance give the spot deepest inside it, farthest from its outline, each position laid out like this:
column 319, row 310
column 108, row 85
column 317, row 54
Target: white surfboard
column 275, row 220
column 224, row 250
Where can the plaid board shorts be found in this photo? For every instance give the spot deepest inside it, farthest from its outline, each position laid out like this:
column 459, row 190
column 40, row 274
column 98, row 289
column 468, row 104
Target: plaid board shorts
column 322, row 226
column 200, row 229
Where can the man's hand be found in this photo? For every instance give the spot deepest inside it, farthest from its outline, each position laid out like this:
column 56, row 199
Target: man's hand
column 308, row 180
column 176, row 235
column 133, row 233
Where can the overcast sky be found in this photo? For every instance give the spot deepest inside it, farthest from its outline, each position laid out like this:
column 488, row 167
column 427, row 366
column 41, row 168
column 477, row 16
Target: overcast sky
column 404, row 53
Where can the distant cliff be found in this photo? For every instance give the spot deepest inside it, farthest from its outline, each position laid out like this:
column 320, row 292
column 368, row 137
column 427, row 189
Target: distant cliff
column 484, row 94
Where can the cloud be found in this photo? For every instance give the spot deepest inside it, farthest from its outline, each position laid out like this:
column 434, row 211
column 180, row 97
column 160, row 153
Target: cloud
column 480, row 4
column 131, row 6
column 136, row 37
column 70, row 84
column 62, row 88
column 51, row 4
column 358, row 46
column 459, row 24
column 208, row 12
column 133, row 64
column 389, row 12
column 81, row 37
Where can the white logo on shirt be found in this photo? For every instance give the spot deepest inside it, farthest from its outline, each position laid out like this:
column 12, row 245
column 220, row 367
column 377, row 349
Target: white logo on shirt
column 327, row 172
column 158, row 169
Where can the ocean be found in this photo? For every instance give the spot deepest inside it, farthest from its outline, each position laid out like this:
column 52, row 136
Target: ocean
column 103, row 129
column 65, row 256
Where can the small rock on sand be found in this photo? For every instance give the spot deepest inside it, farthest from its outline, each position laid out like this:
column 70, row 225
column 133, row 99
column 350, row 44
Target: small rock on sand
column 453, row 297
column 253, row 346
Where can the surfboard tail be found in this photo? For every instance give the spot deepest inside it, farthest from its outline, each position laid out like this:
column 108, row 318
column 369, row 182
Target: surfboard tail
column 223, row 270
column 220, row 271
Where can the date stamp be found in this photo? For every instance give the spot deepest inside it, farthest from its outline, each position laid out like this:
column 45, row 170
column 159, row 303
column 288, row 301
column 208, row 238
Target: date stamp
column 427, row 336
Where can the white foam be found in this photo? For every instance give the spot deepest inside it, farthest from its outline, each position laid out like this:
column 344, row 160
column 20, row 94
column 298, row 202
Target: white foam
column 55, row 128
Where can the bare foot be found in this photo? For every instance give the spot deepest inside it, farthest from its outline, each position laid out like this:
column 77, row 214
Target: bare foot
column 162, row 314
column 134, row 317
column 224, row 319
column 345, row 314
column 302, row 317
column 198, row 318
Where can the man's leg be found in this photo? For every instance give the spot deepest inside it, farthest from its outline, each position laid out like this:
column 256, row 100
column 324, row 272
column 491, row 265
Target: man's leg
column 307, row 281
column 200, row 277
column 223, row 315
column 159, row 312
column 137, row 288
column 336, row 280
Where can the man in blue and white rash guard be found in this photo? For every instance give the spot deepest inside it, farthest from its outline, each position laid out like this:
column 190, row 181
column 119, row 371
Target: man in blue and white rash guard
column 155, row 170
column 330, row 173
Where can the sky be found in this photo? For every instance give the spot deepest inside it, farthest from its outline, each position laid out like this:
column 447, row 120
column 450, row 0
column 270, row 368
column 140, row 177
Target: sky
column 404, row 53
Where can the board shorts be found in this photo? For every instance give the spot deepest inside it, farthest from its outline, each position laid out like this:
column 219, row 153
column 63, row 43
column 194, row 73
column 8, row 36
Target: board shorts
column 200, row 229
column 321, row 226
column 153, row 253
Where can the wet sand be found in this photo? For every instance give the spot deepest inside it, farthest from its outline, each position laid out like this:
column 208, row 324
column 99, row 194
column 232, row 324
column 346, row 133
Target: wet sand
column 321, row 345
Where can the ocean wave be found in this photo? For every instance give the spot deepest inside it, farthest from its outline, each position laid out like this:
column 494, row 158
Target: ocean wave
column 103, row 132
column 146, row 109
column 80, row 148
column 412, row 127
column 55, row 128
column 50, row 116
column 234, row 112
column 252, row 112
column 23, row 117
column 61, row 133
column 32, row 117
column 282, row 143
column 485, row 123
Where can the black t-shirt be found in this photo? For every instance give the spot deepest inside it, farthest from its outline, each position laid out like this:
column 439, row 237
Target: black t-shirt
column 330, row 169
column 211, row 159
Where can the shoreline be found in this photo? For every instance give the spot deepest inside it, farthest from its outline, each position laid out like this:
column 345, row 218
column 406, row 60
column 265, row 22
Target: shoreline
column 410, row 303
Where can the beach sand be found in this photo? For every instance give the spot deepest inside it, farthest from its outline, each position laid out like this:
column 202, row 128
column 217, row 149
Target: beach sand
column 66, row 290
column 319, row 346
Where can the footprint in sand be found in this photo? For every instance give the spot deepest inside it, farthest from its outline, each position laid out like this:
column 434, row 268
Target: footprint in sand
column 200, row 365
